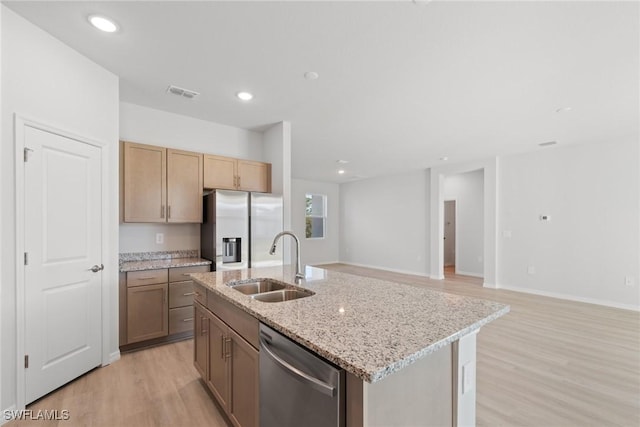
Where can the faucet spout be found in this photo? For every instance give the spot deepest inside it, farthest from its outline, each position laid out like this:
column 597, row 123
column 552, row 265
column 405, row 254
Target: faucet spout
column 299, row 276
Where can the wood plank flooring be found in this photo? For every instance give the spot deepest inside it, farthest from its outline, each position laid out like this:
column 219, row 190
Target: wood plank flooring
column 549, row 362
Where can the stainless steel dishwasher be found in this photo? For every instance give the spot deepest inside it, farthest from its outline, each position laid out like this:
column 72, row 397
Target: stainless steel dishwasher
column 298, row 388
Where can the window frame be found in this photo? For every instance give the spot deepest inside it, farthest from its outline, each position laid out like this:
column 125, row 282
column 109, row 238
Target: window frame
column 324, row 215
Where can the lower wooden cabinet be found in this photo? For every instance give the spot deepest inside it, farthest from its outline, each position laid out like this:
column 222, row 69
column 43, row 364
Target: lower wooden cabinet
column 201, row 340
column 244, row 363
column 147, row 312
column 232, row 370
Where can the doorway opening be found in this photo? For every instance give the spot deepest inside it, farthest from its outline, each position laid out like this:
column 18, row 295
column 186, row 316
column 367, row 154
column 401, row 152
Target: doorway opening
column 449, row 238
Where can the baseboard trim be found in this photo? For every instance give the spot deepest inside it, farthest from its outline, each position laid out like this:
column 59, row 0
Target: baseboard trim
column 114, row 357
column 318, row 264
column 436, row 277
column 393, row 270
column 568, row 297
column 9, row 410
column 467, row 273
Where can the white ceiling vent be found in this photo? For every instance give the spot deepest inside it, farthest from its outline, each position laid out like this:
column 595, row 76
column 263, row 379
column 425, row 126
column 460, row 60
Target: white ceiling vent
column 547, row 144
column 190, row 94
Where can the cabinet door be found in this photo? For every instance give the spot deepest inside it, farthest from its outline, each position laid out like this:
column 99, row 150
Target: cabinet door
column 243, row 403
column 184, row 186
column 145, row 180
column 220, row 172
column 147, row 312
column 218, row 379
column 254, row 176
column 201, row 341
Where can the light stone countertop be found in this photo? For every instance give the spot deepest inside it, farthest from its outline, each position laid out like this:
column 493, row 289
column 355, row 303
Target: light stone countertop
column 161, row 263
column 369, row 327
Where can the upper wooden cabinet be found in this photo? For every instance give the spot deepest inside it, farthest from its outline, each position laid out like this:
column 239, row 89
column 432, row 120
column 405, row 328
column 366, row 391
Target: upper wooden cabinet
column 226, row 173
column 160, row 184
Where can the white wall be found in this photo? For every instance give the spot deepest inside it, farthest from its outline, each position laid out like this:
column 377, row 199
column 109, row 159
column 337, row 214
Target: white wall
column 46, row 81
column 155, row 127
column 467, row 189
column 591, row 243
column 277, row 151
column 384, row 222
column 317, row 251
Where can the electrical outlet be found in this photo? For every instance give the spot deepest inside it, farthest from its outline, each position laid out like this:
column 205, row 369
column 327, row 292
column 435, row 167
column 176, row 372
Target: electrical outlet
column 628, row 280
column 159, row 238
column 531, row 269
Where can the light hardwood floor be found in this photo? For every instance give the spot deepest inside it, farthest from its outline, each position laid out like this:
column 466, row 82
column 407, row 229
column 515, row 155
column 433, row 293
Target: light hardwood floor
column 549, row 362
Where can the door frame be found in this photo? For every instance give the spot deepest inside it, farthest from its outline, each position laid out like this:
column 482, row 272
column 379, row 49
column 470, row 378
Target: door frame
column 20, row 123
column 437, row 175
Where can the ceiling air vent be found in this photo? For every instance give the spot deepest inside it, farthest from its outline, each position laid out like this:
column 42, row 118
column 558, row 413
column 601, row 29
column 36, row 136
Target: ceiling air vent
column 190, row 94
column 546, row 144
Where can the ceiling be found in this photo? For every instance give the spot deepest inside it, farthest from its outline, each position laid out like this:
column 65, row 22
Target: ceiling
column 401, row 85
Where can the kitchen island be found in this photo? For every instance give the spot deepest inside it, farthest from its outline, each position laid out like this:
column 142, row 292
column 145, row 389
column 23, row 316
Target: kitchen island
column 409, row 352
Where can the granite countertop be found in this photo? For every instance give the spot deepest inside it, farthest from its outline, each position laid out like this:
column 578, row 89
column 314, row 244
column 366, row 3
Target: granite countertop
column 369, row 327
column 138, row 261
column 161, row 263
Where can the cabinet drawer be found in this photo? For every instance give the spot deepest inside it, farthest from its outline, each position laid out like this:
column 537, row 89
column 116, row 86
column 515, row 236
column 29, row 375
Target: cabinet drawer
column 178, row 274
column 180, row 320
column 146, row 277
column 181, row 294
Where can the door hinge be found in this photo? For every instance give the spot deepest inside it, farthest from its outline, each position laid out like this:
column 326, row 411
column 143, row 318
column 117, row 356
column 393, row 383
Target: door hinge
column 26, row 153
column 26, row 361
column 26, row 258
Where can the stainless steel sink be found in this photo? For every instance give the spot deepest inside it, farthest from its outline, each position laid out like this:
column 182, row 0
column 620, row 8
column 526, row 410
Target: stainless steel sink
column 282, row 295
column 258, row 286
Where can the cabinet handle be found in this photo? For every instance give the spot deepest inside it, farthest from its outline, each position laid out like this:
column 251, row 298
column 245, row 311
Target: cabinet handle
column 228, row 342
column 221, row 346
column 190, row 319
column 186, row 274
column 161, row 211
column 168, row 211
column 238, row 181
column 145, row 278
column 204, row 331
column 188, row 294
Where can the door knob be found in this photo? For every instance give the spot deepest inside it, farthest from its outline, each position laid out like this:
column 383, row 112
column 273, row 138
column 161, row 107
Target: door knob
column 97, row 268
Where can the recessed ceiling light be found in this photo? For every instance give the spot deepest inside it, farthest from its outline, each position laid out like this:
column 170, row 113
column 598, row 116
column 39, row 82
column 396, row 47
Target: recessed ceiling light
column 102, row 23
column 342, row 162
column 341, row 171
column 563, row 109
column 245, row 96
column 311, row 75
column 444, row 158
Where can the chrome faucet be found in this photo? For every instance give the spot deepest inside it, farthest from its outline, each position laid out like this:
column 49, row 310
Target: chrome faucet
column 299, row 276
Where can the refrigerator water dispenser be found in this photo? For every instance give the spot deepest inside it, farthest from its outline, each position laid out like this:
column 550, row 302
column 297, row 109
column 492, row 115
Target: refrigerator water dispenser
column 231, row 249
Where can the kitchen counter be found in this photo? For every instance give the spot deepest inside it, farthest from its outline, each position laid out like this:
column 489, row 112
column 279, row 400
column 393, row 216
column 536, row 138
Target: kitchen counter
column 371, row 328
column 162, row 263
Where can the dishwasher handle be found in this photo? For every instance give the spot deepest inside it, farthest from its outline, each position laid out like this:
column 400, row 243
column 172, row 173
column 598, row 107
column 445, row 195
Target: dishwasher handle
column 306, row 378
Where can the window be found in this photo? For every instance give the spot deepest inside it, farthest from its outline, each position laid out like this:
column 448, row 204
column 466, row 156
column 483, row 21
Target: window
column 315, row 216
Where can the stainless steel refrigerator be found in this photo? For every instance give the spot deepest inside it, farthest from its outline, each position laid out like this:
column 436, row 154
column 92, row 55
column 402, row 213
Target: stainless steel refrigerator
column 238, row 228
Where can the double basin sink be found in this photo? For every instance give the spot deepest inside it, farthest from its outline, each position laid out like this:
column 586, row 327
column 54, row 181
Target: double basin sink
column 269, row 290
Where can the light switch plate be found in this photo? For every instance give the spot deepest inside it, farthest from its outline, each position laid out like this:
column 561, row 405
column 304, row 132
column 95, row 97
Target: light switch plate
column 159, row 238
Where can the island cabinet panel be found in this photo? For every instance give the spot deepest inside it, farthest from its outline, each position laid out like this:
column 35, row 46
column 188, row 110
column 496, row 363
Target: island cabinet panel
column 233, row 361
column 243, row 404
column 147, row 312
column 201, row 340
column 218, row 379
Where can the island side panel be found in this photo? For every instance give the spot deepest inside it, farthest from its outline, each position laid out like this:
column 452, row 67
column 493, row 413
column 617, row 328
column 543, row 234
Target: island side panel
column 463, row 359
column 420, row 394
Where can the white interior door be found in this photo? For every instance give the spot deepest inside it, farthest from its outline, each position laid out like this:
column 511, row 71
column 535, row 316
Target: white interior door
column 63, row 223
